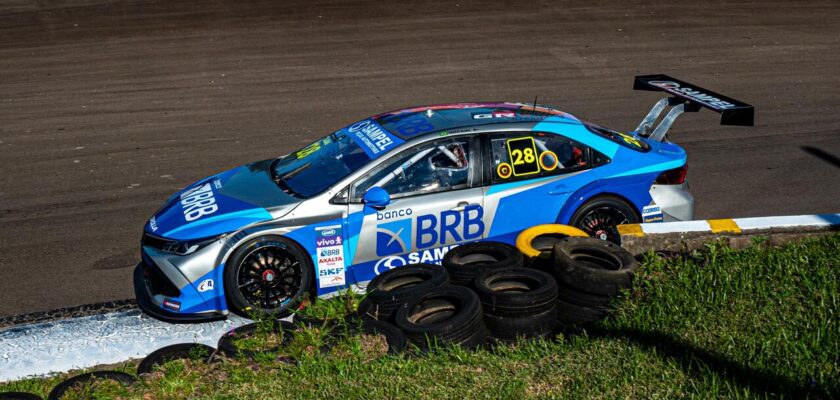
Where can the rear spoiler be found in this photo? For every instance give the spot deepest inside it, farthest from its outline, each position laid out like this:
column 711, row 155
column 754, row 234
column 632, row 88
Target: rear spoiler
column 687, row 98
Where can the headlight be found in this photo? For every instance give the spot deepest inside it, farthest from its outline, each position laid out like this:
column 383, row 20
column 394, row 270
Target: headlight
column 180, row 248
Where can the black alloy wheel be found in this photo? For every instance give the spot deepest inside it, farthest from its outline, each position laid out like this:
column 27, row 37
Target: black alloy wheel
column 600, row 218
column 267, row 275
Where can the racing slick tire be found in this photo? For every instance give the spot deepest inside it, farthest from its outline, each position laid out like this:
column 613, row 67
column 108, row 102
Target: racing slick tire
column 465, row 261
column 267, row 275
column 60, row 389
column 594, row 266
column 536, row 243
column 19, row 396
column 180, row 351
column 446, row 315
column 393, row 288
column 600, row 217
column 227, row 345
column 571, row 315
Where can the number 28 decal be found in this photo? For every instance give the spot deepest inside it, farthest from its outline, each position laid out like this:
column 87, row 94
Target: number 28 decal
column 523, row 156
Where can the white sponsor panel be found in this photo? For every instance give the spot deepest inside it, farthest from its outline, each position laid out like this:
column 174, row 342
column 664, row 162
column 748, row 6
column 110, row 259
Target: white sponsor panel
column 429, row 256
column 329, row 256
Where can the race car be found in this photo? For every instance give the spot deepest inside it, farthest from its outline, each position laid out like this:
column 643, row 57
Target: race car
column 404, row 187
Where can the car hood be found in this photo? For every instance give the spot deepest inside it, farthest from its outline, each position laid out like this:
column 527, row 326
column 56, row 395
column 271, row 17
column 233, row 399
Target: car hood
column 222, row 203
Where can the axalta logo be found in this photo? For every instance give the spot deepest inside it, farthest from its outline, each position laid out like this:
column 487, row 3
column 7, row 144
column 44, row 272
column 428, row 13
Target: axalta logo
column 198, row 202
column 372, row 135
column 430, row 256
column 153, row 224
column 693, row 94
column 429, row 230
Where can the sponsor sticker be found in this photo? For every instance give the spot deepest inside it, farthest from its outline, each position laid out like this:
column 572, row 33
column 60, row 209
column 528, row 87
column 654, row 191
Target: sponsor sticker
column 329, row 253
column 523, row 156
column 495, row 114
column 694, row 94
column 171, row 304
column 205, row 285
column 652, row 214
column 372, row 138
column 428, row 256
column 198, row 202
column 153, row 224
column 425, row 231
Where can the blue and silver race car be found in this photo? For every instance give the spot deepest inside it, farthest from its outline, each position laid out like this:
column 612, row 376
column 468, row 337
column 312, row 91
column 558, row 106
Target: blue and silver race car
column 404, row 187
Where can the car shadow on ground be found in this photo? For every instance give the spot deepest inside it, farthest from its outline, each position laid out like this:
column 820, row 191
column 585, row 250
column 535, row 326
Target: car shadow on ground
column 822, row 155
column 692, row 359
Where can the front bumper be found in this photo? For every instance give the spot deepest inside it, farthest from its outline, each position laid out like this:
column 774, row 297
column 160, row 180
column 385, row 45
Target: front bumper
column 145, row 300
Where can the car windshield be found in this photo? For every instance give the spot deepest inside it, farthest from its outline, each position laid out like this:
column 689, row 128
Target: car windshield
column 316, row 167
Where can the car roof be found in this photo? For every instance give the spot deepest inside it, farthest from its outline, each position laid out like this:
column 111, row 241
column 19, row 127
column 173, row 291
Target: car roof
column 412, row 122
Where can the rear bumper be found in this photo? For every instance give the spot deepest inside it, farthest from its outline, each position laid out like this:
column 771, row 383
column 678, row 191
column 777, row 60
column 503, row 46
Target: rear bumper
column 675, row 202
column 152, row 306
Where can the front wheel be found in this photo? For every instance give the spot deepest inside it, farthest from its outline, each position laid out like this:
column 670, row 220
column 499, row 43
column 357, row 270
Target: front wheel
column 267, row 275
column 601, row 217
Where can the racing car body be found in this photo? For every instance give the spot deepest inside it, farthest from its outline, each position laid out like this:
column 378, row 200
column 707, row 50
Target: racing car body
column 404, row 187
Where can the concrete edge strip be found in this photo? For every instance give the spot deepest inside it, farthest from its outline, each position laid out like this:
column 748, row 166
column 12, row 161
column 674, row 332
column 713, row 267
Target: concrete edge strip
column 46, row 348
column 731, row 225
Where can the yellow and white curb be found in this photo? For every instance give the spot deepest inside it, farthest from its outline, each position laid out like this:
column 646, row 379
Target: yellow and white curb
column 677, row 235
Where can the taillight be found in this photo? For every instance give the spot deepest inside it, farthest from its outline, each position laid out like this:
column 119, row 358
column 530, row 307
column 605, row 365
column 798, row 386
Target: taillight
column 674, row 176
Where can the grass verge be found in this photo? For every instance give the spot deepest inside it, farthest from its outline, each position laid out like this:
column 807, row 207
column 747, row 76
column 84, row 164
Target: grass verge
column 757, row 323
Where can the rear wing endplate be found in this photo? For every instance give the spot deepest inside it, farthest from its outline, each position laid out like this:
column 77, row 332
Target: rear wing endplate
column 687, row 98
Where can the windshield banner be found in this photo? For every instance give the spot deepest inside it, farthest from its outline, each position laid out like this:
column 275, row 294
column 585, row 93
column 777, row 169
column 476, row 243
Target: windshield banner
column 372, row 138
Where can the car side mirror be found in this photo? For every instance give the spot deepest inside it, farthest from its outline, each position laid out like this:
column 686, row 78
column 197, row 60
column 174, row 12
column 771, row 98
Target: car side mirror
column 377, row 198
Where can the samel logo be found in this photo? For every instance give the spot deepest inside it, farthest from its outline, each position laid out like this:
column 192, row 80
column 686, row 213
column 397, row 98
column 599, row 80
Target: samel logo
column 450, row 226
column 693, row 93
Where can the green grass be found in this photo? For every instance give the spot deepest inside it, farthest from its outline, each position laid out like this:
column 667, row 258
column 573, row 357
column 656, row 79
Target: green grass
column 757, row 323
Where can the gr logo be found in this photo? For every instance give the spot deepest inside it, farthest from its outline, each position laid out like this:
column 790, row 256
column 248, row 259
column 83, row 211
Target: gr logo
column 393, row 237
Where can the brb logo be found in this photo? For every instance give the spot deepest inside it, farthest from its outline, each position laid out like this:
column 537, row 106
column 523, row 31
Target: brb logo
column 198, row 202
column 450, row 226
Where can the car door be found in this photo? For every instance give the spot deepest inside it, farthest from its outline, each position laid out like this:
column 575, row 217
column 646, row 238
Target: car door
column 436, row 202
column 532, row 175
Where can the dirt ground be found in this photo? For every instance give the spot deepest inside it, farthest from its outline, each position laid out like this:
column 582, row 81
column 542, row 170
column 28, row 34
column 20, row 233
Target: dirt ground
column 106, row 108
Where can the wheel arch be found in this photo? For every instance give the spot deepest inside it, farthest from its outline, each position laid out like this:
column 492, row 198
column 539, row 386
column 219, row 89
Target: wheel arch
column 633, row 190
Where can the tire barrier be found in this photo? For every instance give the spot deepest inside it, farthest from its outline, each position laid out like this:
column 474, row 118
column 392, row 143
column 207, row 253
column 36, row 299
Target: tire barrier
column 466, row 261
column 517, row 302
column 180, row 351
column 227, row 343
column 19, row 396
column 446, row 315
column 120, row 377
column 392, row 288
column 537, row 243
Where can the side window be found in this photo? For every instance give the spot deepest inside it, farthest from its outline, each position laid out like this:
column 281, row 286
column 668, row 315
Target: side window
column 528, row 155
column 428, row 168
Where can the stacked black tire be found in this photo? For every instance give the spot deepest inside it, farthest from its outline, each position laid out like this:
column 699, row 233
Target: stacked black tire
column 590, row 273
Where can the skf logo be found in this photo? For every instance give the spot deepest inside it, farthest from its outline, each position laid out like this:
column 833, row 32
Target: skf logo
column 397, row 237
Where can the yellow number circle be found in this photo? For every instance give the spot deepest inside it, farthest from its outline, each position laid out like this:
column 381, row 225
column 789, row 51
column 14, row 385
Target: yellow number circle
column 548, row 167
column 504, row 170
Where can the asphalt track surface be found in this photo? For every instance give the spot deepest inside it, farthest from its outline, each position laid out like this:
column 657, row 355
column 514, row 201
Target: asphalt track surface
column 106, row 108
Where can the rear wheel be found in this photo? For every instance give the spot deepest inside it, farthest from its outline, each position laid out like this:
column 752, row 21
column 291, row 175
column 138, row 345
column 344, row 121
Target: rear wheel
column 600, row 217
column 267, row 276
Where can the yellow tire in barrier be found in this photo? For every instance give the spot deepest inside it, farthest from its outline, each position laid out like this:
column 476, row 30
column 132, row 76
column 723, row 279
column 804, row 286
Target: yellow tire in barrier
column 525, row 240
